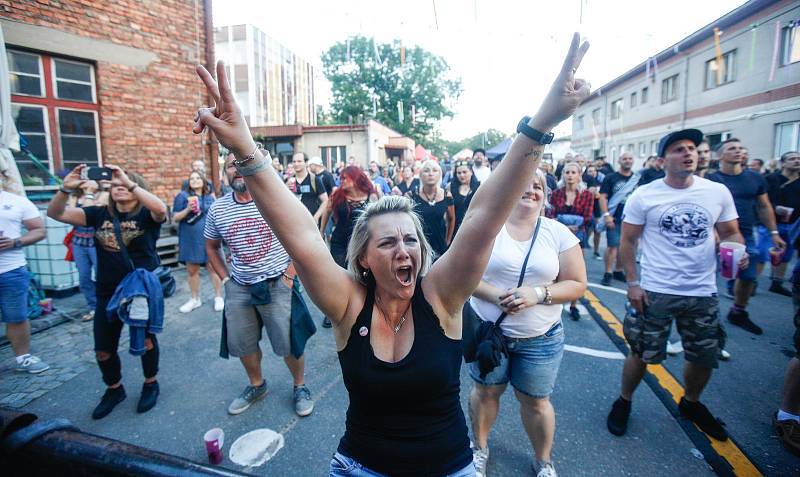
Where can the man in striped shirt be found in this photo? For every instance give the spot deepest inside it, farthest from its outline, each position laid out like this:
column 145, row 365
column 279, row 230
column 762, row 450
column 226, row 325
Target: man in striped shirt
column 254, row 293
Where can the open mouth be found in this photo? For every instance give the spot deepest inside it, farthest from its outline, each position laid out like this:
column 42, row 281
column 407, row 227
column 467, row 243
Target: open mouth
column 404, row 275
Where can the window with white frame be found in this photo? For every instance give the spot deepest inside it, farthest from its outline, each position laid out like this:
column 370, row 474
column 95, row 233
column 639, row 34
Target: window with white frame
column 32, row 125
column 645, row 92
column 596, row 117
column 653, row 148
column 25, row 73
column 790, row 44
column 669, row 89
column 73, row 81
column 642, row 149
column 579, row 123
column 787, row 137
column 718, row 75
column 332, row 155
column 616, row 109
column 634, row 99
column 613, row 155
column 49, row 90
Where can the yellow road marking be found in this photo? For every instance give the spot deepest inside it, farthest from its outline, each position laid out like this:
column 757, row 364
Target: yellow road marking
column 742, row 466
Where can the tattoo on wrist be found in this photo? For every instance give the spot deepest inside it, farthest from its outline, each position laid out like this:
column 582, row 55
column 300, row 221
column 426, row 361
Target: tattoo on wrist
column 535, row 154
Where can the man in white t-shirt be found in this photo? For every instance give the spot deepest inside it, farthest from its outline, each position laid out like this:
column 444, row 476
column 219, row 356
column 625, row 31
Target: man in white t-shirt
column 674, row 219
column 16, row 211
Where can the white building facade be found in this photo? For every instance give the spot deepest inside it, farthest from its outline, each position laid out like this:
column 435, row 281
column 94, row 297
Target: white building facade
column 273, row 86
column 752, row 94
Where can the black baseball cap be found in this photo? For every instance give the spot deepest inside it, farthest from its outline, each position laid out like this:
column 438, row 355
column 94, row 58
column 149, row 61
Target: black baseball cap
column 694, row 135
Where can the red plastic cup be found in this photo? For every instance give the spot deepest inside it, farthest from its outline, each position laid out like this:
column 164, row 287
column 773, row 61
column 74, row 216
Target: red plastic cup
column 776, row 256
column 214, row 440
column 730, row 253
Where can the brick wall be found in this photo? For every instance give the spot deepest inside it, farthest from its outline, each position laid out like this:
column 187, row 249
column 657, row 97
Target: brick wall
column 145, row 113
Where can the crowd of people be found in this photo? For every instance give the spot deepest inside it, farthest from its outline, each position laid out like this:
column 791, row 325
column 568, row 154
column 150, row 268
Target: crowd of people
column 376, row 249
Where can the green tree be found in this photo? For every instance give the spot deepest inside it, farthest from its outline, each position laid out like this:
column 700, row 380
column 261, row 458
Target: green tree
column 373, row 82
column 484, row 140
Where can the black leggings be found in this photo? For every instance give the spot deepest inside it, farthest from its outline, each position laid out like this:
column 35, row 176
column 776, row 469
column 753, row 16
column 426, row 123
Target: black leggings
column 106, row 340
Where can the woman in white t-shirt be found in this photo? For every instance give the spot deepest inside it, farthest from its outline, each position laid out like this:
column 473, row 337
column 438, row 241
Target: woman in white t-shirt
column 555, row 274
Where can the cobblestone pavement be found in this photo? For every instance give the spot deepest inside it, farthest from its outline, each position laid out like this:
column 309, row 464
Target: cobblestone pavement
column 66, row 345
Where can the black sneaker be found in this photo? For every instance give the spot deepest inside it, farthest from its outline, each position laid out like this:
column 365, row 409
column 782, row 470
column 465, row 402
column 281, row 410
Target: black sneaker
column 776, row 287
column 617, row 421
column 148, row 398
column 755, row 288
column 700, row 415
column 574, row 313
column 620, row 276
column 606, row 281
column 742, row 320
column 111, row 398
column 326, row 322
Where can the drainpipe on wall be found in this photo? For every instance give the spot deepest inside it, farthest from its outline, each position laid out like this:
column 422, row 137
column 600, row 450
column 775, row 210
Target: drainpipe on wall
column 685, row 91
column 212, row 145
column 370, row 152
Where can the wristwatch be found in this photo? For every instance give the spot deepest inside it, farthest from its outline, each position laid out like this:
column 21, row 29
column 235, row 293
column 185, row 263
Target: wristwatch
column 17, row 244
column 538, row 136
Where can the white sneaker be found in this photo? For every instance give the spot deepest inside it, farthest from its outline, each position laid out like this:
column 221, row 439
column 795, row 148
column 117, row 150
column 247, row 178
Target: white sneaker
column 219, row 303
column 192, row 304
column 673, row 349
column 724, row 355
column 480, row 457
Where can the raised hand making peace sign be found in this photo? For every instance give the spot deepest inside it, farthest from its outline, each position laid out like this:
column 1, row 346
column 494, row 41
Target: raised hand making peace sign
column 225, row 119
column 567, row 91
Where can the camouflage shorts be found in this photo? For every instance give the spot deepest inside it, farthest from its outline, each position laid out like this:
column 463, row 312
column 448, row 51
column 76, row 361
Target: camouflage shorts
column 697, row 320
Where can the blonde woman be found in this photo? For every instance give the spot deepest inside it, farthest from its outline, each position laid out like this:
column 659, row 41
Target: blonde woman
column 435, row 207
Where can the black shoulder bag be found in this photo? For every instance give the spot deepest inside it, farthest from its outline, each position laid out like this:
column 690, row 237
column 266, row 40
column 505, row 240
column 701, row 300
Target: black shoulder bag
column 483, row 340
column 168, row 284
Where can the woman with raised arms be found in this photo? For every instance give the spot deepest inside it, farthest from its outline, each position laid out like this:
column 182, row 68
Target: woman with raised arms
column 396, row 318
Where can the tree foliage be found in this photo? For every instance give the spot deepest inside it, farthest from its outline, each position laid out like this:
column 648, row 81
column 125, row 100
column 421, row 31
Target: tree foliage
column 484, row 140
column 373, row 82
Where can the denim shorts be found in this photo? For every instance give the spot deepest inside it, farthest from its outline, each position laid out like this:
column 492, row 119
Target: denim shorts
column 765, row 242
column 14, row 295
column 612, row 235
column 531, row 366
column 343, row 466
column 750, row 273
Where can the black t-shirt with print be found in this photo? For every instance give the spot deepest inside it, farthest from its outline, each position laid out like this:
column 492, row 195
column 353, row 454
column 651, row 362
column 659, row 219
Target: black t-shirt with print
column 611, row 185
column 139, row 232
column 328, row 181
column 308, row 196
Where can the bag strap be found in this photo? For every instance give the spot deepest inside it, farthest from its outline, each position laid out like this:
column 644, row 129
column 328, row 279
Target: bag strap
column 524, row 266
column 122, row 248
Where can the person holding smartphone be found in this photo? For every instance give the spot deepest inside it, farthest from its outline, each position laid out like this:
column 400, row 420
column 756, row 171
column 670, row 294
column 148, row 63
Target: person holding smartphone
column 140, row 215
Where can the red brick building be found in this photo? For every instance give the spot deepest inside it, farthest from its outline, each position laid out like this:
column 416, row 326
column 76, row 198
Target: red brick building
column 109, row 82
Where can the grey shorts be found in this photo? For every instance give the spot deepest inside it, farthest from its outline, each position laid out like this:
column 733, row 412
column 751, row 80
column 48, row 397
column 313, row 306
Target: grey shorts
column 244, row 320
column 697, row 320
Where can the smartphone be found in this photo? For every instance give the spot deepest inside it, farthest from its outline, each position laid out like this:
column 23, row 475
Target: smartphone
column 96, row 173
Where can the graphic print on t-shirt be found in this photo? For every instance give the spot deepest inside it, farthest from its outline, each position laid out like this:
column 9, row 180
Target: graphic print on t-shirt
column 685, row 225
column 108, row 239
column 250, row 239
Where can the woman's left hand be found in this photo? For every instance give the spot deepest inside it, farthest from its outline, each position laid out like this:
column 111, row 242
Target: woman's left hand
column 118, row 176
column 515, row 300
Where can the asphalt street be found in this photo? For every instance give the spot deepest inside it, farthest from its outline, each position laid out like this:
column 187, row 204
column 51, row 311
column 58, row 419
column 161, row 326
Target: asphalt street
column 197, row 385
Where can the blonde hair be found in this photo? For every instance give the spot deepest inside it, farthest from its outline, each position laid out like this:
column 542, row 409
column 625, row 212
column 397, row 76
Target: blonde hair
column 563, row 181
column 390, row 204
column 433, row 164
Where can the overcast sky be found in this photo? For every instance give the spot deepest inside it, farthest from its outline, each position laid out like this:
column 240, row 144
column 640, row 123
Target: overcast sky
column 506, row 52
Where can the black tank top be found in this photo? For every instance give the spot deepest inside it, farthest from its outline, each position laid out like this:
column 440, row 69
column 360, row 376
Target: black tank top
column 405, row 418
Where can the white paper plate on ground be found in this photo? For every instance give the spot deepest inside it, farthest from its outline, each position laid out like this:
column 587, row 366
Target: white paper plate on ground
column 256, row 447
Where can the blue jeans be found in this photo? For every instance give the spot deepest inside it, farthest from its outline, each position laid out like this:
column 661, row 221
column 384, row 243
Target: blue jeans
column 86, row 261
column 14, row 295
column 531, row 366
column 573, row 220
column 343, row 466
column 765, row 242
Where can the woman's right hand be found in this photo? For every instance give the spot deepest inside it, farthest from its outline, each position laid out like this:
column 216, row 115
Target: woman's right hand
column 73, row 179
column 567, row 92
column 225, row 119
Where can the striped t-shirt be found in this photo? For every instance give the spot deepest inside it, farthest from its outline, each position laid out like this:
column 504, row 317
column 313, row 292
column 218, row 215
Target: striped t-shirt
column 256, row 252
